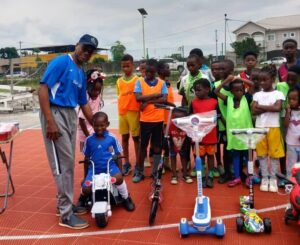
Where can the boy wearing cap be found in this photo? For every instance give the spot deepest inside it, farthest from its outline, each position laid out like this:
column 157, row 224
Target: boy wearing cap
column 62, row 88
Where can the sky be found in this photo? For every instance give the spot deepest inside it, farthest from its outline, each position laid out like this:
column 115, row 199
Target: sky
column 169, row 25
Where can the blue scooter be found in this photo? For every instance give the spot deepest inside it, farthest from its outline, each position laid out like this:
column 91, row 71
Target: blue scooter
column 196, row 127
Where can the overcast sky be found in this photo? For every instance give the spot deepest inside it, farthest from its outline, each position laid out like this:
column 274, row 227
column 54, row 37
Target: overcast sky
column 169, row 24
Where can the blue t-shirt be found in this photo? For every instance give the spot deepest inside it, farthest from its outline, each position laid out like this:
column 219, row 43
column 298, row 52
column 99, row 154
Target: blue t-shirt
column 66, row 82
column 100, row 150
column 138, row 88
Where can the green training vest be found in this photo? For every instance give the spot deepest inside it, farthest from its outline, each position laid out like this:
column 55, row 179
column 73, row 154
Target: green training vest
column 237, row 118
column 221, row 105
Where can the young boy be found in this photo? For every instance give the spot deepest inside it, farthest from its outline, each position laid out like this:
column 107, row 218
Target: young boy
column 186, row 83
column 250, row 60
column 100, row 147
column 289, row 49
column 208, row 145
column 226, row 69
column 150, row 90
column 128, row 109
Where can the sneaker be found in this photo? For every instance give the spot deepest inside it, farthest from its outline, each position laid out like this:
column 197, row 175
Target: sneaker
column 264, row 186
column 234, row 182
column 73, row 223
column 223, row 179
column 77, row 210
column 220, row 170
column 273, row 185
column 210, row 182
column 128, row 204
column 215, row 173
column 174, row 180
column 147, row 164
column 126, row 169
column 256, row 179
column 138, row 177
column 187, row 179
column 281, row 183
column 193, row 172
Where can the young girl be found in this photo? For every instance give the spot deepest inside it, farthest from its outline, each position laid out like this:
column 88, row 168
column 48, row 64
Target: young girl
column 266, row 106
column 95, row 91
column 238, row 116
column 292, row 124
column 179, row 143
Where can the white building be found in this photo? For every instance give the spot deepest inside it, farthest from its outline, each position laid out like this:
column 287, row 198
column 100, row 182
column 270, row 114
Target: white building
column 269, row 33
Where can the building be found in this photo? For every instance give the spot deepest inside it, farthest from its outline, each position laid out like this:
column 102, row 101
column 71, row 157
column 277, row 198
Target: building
column 44, row 55
column 269, row 33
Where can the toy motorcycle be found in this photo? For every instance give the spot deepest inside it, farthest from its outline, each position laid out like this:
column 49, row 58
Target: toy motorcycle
column 292, row 212
column 104, row 194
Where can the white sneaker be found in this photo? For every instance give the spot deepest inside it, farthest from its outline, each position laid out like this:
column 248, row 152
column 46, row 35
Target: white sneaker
column 273, row 185
column 147, row 164
column 264, row 186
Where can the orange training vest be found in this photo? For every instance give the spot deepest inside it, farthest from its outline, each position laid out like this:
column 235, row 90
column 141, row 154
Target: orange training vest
column 150, row 112
column 126, row 98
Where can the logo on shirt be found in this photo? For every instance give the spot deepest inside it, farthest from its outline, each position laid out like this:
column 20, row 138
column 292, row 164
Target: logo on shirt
column 77, row 84
column 99, row 146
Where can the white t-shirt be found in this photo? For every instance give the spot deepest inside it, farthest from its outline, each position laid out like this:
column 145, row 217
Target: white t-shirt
column 293, row 131
column 268, row 119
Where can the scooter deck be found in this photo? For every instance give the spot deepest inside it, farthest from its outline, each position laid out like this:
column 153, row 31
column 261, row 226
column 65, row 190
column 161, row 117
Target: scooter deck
column 202, row 213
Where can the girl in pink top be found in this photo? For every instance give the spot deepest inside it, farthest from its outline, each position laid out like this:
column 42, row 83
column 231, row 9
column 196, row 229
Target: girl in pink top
column 95, row 92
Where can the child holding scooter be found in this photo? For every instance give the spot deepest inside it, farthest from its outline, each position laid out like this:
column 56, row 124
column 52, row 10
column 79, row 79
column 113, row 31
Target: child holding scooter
column 100, row 147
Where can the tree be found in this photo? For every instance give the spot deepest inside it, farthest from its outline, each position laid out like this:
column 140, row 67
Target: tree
column 98, row 61
column 242, row 47
column 117, row 51
column 9, row 53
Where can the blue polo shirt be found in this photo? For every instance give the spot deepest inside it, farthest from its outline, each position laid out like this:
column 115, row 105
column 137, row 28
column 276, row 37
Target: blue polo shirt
column 100, row 150
column 66, row 82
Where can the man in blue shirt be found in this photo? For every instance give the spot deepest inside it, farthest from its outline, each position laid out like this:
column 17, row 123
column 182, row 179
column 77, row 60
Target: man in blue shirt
column 62, row 88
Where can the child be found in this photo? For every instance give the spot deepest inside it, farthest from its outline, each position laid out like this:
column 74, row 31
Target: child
column 128, row 110
column 291, row 82
column 95, row 92
column 179, row 143
column 238, row 116
column 292, row 124
column 254, row 79
column 150, row 90
column 163, row 72
column 266, row 106
column 100, row 147
column 289, row 49
column 203, row 103
column 226, row 69
column 186, row 83
column 250, row 60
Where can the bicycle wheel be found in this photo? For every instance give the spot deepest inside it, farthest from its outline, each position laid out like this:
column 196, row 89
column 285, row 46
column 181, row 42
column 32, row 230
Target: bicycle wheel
column 153, row 211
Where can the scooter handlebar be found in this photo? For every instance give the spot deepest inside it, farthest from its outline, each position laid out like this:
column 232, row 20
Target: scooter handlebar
column 249, row 131
column 169, row 107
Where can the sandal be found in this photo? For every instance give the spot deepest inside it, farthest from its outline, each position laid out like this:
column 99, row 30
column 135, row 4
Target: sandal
column 174, row 180
column 187, row 179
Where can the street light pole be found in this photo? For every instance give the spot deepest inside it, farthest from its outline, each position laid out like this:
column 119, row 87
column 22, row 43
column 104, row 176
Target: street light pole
column 143, row 12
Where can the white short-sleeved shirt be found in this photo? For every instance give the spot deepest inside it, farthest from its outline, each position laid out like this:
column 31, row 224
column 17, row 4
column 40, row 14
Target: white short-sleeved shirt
column 293, row 132
column 268, row 119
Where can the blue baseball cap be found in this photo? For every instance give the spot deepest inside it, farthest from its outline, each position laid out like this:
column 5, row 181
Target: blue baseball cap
column 87, row 39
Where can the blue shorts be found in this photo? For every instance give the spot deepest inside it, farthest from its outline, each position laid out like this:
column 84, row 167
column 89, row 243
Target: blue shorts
column 113, row 170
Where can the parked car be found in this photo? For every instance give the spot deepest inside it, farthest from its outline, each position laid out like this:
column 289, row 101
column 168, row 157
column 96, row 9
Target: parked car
column 174, row 64
column 16, row 74
column 275, row 61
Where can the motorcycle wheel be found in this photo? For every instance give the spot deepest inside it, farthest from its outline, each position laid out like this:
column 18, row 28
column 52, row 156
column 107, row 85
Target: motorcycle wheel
column 101, row 220
column 153, row 211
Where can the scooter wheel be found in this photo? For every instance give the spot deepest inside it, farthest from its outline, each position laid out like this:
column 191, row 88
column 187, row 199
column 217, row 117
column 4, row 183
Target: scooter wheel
column 239, row 224
column 183, row 235
column 153, row 211
column 267, row 225
column 101, row 220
